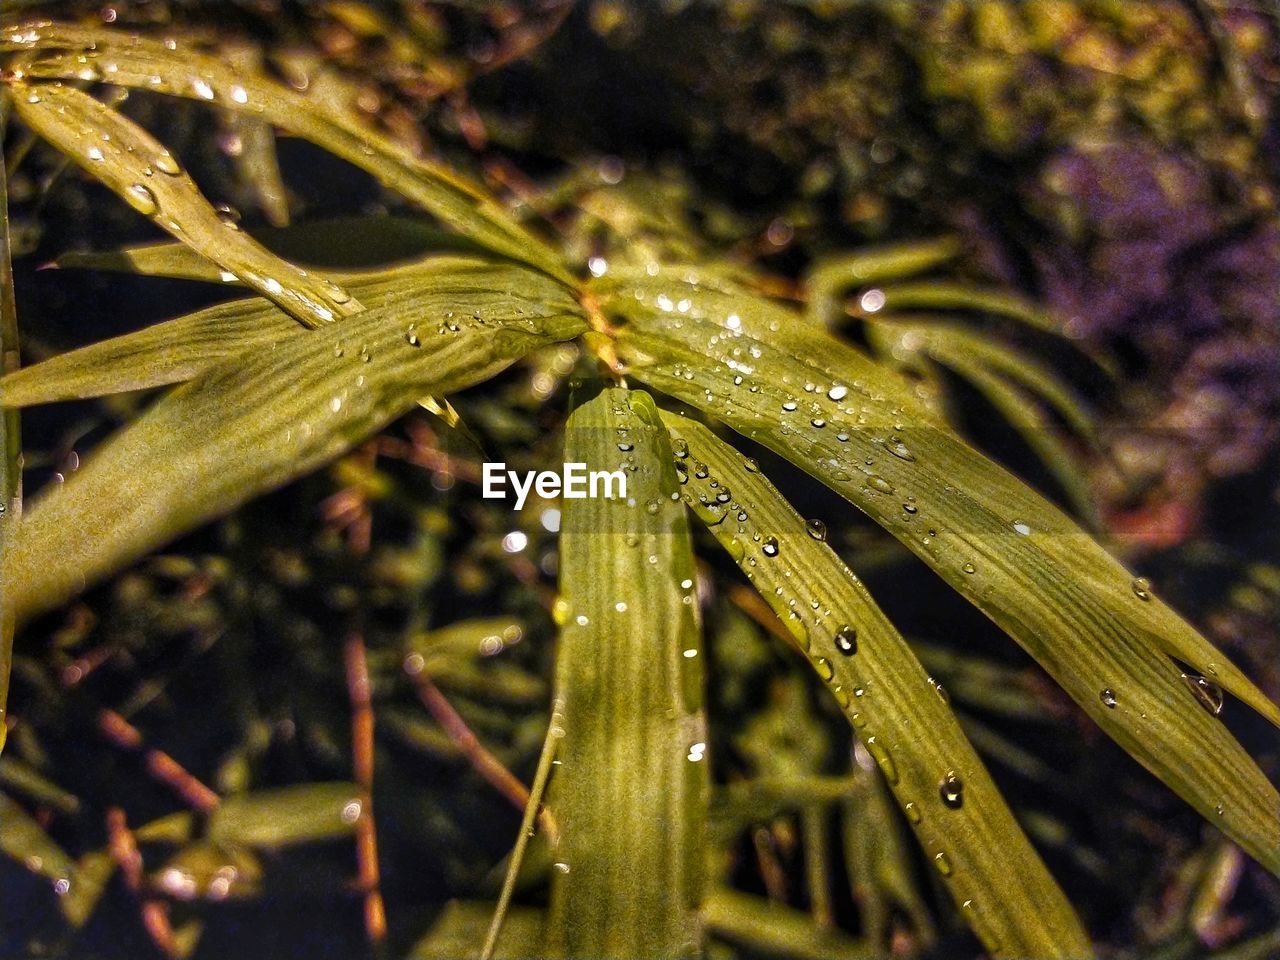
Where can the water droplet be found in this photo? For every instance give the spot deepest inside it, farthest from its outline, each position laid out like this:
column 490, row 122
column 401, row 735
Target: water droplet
column 1022, row 528
column 943, row 863
column 838, row 392
column 165, row 163
column 825, row 670
column 789, row 405
column 1108, row 698
column 846, row 640
column 411, row 337
column 818, row 422
column 940, row 690
column 883, row 759
column 141, row 199
column 202, row 89
column 626, row 447
column 1208, row 693
column 877, row 482
column 899, row 450
column 750, row 465
column 951, row 790
column 680, row 448
column 96, row 154
column 1141, row 588
column 770, row 547
column 969, row 568
column 816, row 529
column 912, row 812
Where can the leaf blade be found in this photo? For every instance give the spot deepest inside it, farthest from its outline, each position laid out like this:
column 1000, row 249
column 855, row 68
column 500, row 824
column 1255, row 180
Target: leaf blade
column 147, row 63
column 1053, row 589
column 259, row 419
column 630, row 795
column 987, row 863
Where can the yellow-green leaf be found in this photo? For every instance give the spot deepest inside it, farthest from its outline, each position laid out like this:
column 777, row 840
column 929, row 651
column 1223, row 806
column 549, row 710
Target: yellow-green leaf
column 629, row 795
column 1099, row 632
column 894, row 707
column 131, row 60
column 181, row 349
column 257, row 420
column 271, row 819
column 131, row 162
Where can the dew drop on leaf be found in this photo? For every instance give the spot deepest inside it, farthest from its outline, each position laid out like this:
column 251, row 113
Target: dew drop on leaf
column 846, row 640
column 824, row 668
column 770, row 547
column 951, row 790
column 1142, row 588
column 816, row 529
column 1208, row 693
column 141, row 199
column 884, row 760
column 165, row 163
column 1108, row 698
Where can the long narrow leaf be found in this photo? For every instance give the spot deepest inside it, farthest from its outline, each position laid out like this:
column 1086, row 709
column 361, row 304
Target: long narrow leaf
column 348, row 248
column 630, row 793
column 133, row 164
column 958, row 815
column 180, row 349
column 145, row 63
column 1099, row 632
column 259, row 419
column 10, row 428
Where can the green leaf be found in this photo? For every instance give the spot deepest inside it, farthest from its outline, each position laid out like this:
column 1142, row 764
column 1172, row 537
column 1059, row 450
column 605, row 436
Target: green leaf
column 93, row 871
column 894, row 707
column 22, row 839
column 127, row 159
column 1099, row 632
column 145, row 63
column 183, row 348
column 258, row 419
column 460, row 928
column 271, row 819
column 770, row 928
column 832, row 276
column 943, row 295
column 630, row 793
column 10, row 427
column 348, row 247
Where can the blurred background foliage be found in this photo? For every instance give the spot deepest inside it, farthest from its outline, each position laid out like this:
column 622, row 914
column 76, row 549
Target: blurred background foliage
column 1114, row 163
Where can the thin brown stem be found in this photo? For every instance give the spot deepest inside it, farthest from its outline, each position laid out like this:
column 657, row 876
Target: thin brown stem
column 362, row 723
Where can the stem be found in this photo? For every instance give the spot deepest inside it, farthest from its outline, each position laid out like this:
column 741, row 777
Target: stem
column 555, row 730
column 10, row 437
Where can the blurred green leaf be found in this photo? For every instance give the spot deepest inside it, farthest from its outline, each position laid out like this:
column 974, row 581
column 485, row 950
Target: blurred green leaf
column 832, row 276
column 630, row 792
column 22, row 839
column 460, row 928
column 759, row 925
column 350, row 248
column 270, row 819
column 92, row 873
